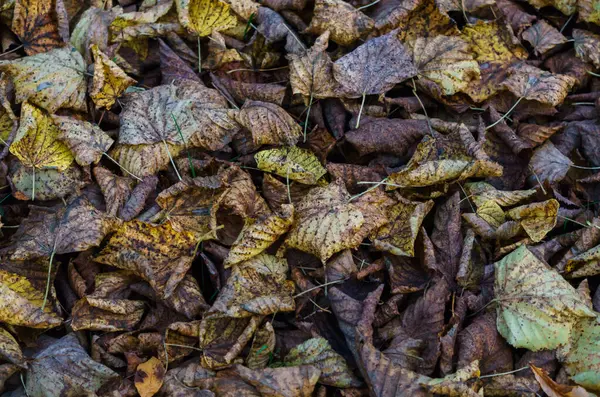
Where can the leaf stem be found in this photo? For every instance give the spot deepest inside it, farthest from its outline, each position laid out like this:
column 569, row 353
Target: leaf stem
column 317, row 287
column 33, row 184
column 414, row 91
column 171, row 158
column 362, row 104
column 504, row 373
column 184, row 346
column 368, row 5
column 120, row 166
column 199, row 57
column 49, row 274
column 593, row 74
column 505, row 115
column 377, row 184
column 310, row 102
column 185, row 145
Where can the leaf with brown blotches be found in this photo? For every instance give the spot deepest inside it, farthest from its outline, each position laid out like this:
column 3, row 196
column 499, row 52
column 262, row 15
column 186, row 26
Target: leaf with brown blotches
column 110, row 81
column 86, row 141
column 37, row 142
column 345, row 23
column 318, row 353
column 158, row 254
column 61, row 230
column 115, row 189
column 258, row 286
column 537, row 219
column 292, row 163
column 297, row 381
column 580, row 356
column 92, row 28
column 259, row 235
column 588, row 11
column 404, row 222
column 205, row 16
column 262, row 347
column 149, row 377
column 587, row 46
column 445, row 61
column 311, row 73
column 50, row 80
column 535, row 84
column 374, row 67
column 549, row 164
column 49, row 184
column 268, row 123
column 326, row 222
column 34, row 22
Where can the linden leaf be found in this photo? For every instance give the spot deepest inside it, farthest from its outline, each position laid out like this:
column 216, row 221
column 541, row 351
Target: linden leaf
column 149, row 377
column 529, row 82
column 34, row 22
column 291, row 162
column 65, row 365
column 49, row 184
column 268, row 123
column 345, row 23
column 86, row 141
column 374, row 67
column 258, row 286
column 21, row 303
column 288, row 381
column 205, row 16
column 105, row 310
column 36, row 143
column 585, row 264
column 537, row 219
column 144, row 160
column 404, row 222
column 326, row 222
column 554, row 389
column 491, row 212
column 311, row 73
column 50, row 80
column 318, row 353
column 158, row 254
column 115, row 189
column 110, row 81
column 262, row 347
column 537, row 308
column 184, row 112
column 580, row 357
column 446, row 61
column 482, row 192
column 260, row 235
column 61, row 230
column 543, row 37
column 567, row 7
column 10, row 349
column 92, row 28
column 549, row 164
column 589, row 11
column 587, row 46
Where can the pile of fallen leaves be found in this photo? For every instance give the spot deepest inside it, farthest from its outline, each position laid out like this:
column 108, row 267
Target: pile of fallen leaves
column 294, row 198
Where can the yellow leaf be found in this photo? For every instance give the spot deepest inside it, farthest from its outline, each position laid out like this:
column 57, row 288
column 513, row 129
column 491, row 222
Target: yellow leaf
column 149, row 377
column 158, row 254
column 258, row 236
column 205, row 16
column 7, row 118
column 34, row 21
column 326, row 222
column 269, row 124
column 404, row 222
column 537, row 219
column 36, row 143
column 446, row 61
column 110, row 81
column 567, row 7
column 10, row 349
column 21, row 303
column 291, row 162
column 492, row 213
column 50, row 80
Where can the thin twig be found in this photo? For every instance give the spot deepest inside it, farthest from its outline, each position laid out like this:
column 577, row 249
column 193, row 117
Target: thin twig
column 310, row 102
column 11, row 51
column 505, row 115
column 368, row 5
column 362, row 104
column 503, row 373
column 120, row 166
column 368, row 190
column 317, row 287
column 49, row 274
column 414, row 91
column 171, row 158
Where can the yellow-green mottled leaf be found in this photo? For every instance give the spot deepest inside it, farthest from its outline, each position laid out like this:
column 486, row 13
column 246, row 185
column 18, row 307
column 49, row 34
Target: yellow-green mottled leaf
column 292, row 162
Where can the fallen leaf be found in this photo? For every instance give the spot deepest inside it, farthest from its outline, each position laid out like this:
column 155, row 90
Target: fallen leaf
column 586, row 46
column 543, row 37
column 110, row 81
column 345, row 23
column 292, row 163
column 537, row 219
column 115, row 189
column 205, row 16
column 50, row 80
column 537, row 309
column 262, row 347
column 288, row 381
column 553, row 389
column 269, row 123
column 149, row 377
column 534, row 84
column 580, row 357
column 34, row 22
column 86, row 141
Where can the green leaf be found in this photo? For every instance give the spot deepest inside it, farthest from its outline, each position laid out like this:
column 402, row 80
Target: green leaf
column 581, row 358
column 536, row 308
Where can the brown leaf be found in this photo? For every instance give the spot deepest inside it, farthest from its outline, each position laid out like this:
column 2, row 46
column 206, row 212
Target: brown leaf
column 587, row 46
column 269, row 123
column 534, row 84
column 291, row 381
column 344, row 23
column 543, row 37
column 172, row 67
column 374, row 67
column 35, row 23
column 116, row 189
column 86, row 141
column 553, row 389
column 395, row 136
